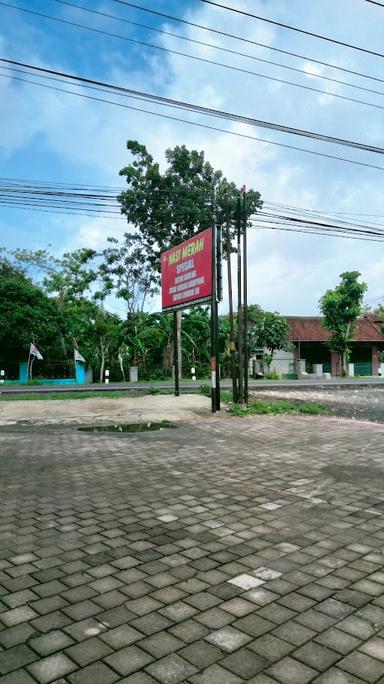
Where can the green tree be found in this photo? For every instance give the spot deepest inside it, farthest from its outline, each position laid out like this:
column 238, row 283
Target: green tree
column 270, row 332
column 341, row 308
column 170, row 207
column 26, row 315
column 126, row 272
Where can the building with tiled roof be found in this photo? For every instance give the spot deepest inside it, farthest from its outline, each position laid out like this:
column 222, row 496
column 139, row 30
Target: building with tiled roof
column 309, row 339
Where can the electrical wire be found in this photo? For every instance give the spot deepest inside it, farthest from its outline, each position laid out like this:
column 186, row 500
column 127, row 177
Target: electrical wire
column 295, row 28
column 217, row 129
column 374, row 2
column 317, row 233
column 195, row 57
column 193, row 108
column 220, row 48
column 246, row 40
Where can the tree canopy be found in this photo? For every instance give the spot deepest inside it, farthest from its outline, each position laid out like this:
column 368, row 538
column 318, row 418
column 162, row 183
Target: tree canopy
column 171, row 206
column 341, row 307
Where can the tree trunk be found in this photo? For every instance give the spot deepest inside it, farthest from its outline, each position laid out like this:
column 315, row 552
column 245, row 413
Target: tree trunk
column 120, row 358
column 62, row 344
column 178, row 337
column 344, row 363
column 102, row 365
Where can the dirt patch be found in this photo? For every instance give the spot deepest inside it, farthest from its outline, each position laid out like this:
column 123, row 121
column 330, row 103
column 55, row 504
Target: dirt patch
column 97, row 411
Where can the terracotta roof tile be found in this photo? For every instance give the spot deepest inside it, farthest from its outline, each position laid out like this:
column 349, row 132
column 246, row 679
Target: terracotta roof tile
column 310, row 329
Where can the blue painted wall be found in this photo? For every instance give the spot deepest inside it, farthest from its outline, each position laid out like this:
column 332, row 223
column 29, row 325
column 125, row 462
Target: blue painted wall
column 23, row 376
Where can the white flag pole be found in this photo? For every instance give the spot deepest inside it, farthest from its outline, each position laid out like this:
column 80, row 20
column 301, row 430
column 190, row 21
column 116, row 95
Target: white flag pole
column 29, row 360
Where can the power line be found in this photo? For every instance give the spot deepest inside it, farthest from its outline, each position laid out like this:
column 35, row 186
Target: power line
column 205, row 126
column 375, row 2
column 246, row 40
column 187, row 106
column 220, row 48
column 295, row 28
column 203, row 60
column 317, row 233
column 345, row 227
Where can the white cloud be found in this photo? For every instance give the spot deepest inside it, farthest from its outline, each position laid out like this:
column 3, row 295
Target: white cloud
column 288, row 272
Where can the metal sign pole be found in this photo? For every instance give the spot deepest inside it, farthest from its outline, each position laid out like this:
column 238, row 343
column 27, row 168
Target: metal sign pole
column 245, row 298
column 239, row 307
column 215, row 382
column 176, row 355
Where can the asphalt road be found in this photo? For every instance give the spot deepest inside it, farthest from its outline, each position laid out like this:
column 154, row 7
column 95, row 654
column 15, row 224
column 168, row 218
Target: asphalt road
column 190, row 385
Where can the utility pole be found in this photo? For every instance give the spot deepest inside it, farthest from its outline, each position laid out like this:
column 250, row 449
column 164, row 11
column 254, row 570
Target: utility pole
column 245, row 297
column 240, row 396
column 232, row 343
column 215, row 375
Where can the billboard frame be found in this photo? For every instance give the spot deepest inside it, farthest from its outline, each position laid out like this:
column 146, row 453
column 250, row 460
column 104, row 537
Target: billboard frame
column 212, row 301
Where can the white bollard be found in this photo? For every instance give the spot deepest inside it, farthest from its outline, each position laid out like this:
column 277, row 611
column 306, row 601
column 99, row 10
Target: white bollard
column 106, row 377
column 193, row 373
column 2, row 377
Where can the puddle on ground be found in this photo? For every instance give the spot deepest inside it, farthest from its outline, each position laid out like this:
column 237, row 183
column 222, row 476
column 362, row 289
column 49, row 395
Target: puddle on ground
column 128, row 427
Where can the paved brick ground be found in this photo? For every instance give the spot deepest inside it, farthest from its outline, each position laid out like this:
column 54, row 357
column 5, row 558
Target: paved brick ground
column 223, row 552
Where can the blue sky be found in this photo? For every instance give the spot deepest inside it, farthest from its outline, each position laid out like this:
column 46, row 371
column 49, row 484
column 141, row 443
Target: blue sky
column 53, row 136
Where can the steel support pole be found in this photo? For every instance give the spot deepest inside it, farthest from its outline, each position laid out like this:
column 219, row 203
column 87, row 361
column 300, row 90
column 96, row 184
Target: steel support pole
column 245, row 298
column 176, row 353
column 239, row 307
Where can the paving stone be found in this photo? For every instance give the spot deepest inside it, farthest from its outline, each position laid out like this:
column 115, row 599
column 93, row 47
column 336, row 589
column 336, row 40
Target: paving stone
column 189, row 631
column 363, row 666
column 125, row 635
column 215, row 618
column 171, row 670
column 88, row 651
column 161, row 644
column 336, row 676
column 152, row 623
column 17, row 615
column 294, row 633
column 276, row 612
column 315, row 620
column 201, row 654
column 138, row 678
column 90, row 558
column 51, row 642
column 245, row 663
column 128, row 660
column 51, row 668
column 254, row 625
column 374, row 647
column 179, row 611
column 17, row 677
column 15, row 658
column 245, row 581
column 337, row 640
column 316, row 656
column 357, row 627
column 216, row 675
column 97, row 673
column 16, row 635
column 84, row 629
column 228, row 638
column 238, row 607
column 289, row 670
column 270, row 647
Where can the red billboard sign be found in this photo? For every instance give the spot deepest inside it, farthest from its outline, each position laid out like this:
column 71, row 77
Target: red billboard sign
column 186, row 273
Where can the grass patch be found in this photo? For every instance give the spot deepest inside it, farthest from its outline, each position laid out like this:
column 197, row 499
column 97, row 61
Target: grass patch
column 107, row 394
column 54, row 396
column 277, row 407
